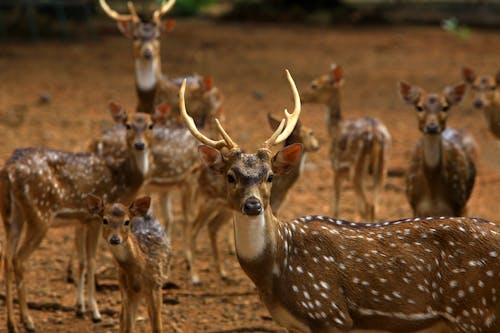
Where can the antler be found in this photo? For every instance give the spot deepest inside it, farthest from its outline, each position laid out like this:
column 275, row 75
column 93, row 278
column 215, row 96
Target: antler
column 120, row 17
column 282, row 132
column 163, row 9
column 225, row 142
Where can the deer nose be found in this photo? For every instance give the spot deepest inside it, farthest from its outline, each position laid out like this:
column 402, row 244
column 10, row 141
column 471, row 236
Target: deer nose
column 252, row 206
column 478, row 103
column 115, row 240
column 139, row 145
column 148, row 54
column 432, row 129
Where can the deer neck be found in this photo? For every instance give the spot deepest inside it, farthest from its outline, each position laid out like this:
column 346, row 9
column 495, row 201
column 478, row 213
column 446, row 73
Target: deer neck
column 130, row 175
column 147, row 73
column 432, row 149
column 255, row 242
column 128, row 254
column 333, row 113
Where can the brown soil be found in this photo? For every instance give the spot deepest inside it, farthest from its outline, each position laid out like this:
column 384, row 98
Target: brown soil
column 247, row 61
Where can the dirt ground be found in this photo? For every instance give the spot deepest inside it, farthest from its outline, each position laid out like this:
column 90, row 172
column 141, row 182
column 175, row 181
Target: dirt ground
column 247, row 63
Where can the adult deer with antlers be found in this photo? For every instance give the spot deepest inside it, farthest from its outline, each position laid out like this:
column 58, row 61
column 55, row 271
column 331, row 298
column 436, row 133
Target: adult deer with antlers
column 42, row 188
column 320, row 274
column 486, row 89
column 359, row 148
column 442, row 170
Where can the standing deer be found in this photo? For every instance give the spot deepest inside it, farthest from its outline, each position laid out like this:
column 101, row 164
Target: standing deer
column 215, row 213
column 42, row 188
column 442, row 170
column 141, row 250
column 486, row 90
column 324, row 275
column 359, row 147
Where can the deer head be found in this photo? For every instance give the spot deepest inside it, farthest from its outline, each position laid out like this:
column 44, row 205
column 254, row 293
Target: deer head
column 432, row 109
column 116, row 218
column 248, row 176
column 322, row 88
column 483, row 87
column 300, row 134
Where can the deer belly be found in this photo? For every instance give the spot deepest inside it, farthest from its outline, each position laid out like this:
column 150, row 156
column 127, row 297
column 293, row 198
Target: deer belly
column 284, row 318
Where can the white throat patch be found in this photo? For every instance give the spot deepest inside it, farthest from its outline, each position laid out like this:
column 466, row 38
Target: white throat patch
column 250, row 235
column 142, row 161
column 145, row 74
column 432, row 150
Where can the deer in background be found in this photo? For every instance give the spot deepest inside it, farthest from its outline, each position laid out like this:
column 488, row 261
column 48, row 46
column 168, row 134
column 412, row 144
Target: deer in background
column 442, row 169
column 359, row 148
column 141, row 250
column 213, row 210
column 486, row 90
column 42, row 188
column 314, row 273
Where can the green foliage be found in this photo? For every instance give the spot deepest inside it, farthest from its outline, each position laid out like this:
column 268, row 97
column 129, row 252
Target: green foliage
column 189, row 7
column 452, row 26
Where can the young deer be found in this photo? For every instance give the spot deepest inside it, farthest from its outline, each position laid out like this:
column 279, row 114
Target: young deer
column 213, row 210
column 486, row 90
column 314, row 273
column 359, row 147
column 442, row 171
column 141, row 250
column 42, row 188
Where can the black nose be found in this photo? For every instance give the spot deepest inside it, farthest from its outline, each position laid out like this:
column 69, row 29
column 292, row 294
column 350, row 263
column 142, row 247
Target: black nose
column 148, row 54
column 139, row 145
column 478, row 103
column 114, row 240
column 432, row 129
column 252, row 206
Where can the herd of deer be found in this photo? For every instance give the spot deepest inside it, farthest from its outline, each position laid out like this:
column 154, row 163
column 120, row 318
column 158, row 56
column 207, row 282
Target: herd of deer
column 314, row 273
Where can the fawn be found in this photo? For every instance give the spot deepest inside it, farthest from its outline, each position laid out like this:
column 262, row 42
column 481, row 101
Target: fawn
column 359, row 147
column 42, row 188
column 442, row 170
column 314, row 273
column 141, row 250
column 213, row 210
column 486, row 90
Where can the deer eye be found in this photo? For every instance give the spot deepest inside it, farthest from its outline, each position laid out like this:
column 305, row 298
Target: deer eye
column 127, row 126
column 420, row 108
column 446, row 108
column 104, row 221
column 314, row 86
column 270, row 178
column 151, row 126
column 230, row 178
column 492, row 87
column 127, row 222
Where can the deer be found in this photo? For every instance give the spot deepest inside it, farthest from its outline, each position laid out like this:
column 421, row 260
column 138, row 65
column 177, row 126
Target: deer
column 213, row 211
column 442, row 170
column 325, row 275
column 41, row 188
column 141, row 250
column 359, row 148
column 486, row 90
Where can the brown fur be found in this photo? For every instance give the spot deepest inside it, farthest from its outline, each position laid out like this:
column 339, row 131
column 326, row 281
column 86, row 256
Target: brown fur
column 359, row 148
column 441, row 174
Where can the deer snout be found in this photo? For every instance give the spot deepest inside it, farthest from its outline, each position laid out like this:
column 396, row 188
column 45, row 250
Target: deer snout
column 114, row 240
column 478, row 103
column 139, row 145
column 147, row 54
column 252, row 206
column 432, row 128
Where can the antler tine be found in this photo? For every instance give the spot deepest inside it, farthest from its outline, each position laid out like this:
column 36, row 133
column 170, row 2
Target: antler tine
column 225, row 142
column 114, row 14
column 133, row 12
column 163, row 9
column 291, row 119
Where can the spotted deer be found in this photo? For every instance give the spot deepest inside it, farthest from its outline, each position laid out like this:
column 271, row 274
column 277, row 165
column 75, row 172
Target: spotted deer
column 442, row 169
column 141, row 250
column 320, row 274
column 359, row 148
column 486, row 89
column 42, row 188
column 213, row 211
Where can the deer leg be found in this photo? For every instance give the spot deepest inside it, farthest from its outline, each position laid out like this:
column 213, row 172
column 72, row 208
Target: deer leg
column 337, row 184
column 154, row 310
column 80, row 237
column 35, row 232
column 166, row 211
column 221, row 219
column 231, row 247
column 364, row 208
column 130, row 312
column 92, row 237
column 69, row 267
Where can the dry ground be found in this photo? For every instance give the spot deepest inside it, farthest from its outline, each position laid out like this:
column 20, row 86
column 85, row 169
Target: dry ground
column 246, row 60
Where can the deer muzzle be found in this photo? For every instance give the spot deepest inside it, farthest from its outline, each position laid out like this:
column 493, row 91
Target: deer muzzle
column 478, row 103
column 114, row 240
column 432, row 128
column 252, row 206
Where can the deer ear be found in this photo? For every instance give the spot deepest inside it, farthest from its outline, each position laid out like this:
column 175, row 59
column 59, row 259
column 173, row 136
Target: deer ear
column 273, row 121
column 208, row 82
column 337, row 72
column 468, row 74
column 168, row 25
column 287, row 158
column 118, row 113
column 95, row 205
column 161, row 114
column 455, row 94
column 140, row 206
column 211, row 158
column 126, row 28
column 410, row 94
